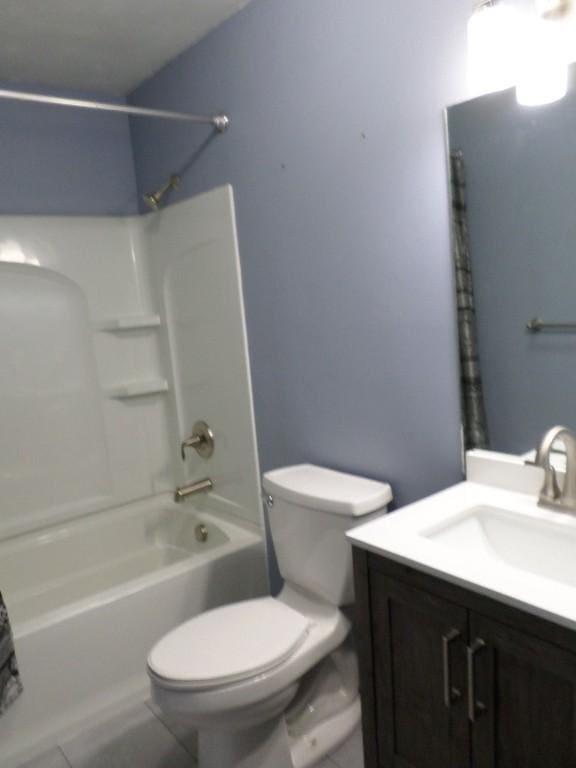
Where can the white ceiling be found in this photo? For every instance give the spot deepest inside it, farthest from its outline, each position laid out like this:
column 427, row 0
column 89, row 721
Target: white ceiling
column 102, row 45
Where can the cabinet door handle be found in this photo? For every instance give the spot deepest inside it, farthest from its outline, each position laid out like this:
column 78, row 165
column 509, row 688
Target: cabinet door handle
column 451, row 694
column 475, row 707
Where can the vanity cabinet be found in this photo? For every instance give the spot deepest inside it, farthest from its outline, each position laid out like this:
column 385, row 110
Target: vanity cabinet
column 451, row 679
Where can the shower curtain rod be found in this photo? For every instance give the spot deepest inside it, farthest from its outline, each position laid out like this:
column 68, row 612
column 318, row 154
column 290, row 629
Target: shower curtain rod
column 220, row 122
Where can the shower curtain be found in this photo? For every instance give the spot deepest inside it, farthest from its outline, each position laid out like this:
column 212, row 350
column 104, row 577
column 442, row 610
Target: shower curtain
column 10, row 684
column 474, row 422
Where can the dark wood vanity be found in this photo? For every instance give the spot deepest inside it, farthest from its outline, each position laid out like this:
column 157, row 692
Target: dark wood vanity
column 453, row 679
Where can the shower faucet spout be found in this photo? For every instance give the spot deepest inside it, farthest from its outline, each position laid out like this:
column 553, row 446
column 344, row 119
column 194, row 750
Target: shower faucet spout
column 201, row 486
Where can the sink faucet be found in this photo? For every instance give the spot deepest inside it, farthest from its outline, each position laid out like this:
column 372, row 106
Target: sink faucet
column 551, row 494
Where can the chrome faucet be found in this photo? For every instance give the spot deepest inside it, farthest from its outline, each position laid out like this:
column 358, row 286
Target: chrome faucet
column 552, row 495
column 201, row 486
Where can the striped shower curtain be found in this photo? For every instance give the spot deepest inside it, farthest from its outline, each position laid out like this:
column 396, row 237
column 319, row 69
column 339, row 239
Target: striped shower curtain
column 10, row 685
column 474, row 424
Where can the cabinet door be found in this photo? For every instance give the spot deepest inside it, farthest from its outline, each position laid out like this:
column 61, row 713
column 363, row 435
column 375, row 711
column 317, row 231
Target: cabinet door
column 419, row 669
column 523, row 699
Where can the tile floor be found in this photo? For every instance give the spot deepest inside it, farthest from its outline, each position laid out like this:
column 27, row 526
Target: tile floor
column 145, row 738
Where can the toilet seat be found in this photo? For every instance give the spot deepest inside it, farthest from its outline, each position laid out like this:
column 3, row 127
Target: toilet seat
column 327, row 628
column 229, row 644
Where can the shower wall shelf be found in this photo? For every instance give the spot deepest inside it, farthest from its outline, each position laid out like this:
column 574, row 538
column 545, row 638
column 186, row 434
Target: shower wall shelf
column 119, row 324
column 138, row 389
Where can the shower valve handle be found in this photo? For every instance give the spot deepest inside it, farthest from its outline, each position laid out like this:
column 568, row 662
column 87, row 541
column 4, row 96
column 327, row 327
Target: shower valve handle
column 202, row 440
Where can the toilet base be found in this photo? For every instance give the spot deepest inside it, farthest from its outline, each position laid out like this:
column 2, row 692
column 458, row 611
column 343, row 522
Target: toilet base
column 262, row 746
column 309, row 749
column 306, row 724
column 270, row 746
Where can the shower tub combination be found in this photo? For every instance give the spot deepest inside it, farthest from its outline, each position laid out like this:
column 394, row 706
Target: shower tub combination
column 111, row 350
column 89, row 598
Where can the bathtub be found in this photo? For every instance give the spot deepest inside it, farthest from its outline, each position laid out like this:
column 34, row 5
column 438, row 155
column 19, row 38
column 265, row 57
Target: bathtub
column 88, row 599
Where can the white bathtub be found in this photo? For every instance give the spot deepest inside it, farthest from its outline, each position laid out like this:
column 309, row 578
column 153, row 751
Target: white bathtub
column 88, row 599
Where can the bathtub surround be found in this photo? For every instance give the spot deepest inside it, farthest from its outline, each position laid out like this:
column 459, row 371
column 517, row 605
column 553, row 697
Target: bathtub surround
column 127, row 318
column 336, row 154
column 10, row 683
column 128, row 330
column 50, row 402
column 206, row 339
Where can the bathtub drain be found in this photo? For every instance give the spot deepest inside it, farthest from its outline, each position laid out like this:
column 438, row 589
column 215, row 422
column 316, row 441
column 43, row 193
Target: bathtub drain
column 201, row 533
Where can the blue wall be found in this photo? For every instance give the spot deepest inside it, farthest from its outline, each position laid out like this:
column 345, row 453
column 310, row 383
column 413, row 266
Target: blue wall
column 336, row 153
column 65, row 161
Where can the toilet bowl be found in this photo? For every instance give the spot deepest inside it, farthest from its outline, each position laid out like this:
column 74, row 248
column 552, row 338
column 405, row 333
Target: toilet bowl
column 273, row 682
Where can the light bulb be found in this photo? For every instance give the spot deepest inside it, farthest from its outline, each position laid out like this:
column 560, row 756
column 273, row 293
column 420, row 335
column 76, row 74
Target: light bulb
column 543, row 73
column 492, row 31
column 545, row 85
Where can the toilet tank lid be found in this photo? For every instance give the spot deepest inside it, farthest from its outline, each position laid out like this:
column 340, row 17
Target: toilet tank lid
column 327, row 490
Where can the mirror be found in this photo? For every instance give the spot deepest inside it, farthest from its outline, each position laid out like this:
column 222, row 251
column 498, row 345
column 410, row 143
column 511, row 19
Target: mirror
column 513, row 174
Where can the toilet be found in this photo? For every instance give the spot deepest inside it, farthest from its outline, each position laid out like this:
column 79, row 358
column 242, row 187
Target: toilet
column 273, row 682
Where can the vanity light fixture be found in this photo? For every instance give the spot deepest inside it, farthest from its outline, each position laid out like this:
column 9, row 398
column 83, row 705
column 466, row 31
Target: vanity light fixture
column 526, row 48
column 553, row 9
column 492, row 30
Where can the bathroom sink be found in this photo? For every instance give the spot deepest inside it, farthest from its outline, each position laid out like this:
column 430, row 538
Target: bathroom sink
column 496, row 542
column 542, row 547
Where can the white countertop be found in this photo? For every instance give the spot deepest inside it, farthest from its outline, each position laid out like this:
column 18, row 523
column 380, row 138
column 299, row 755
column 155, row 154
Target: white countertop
column 544, row 538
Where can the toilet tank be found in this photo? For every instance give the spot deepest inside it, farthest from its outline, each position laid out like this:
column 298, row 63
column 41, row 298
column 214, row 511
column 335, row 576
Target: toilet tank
column 310, row 509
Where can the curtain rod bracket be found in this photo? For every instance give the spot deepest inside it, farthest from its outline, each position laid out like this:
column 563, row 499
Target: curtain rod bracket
column 221, row 123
